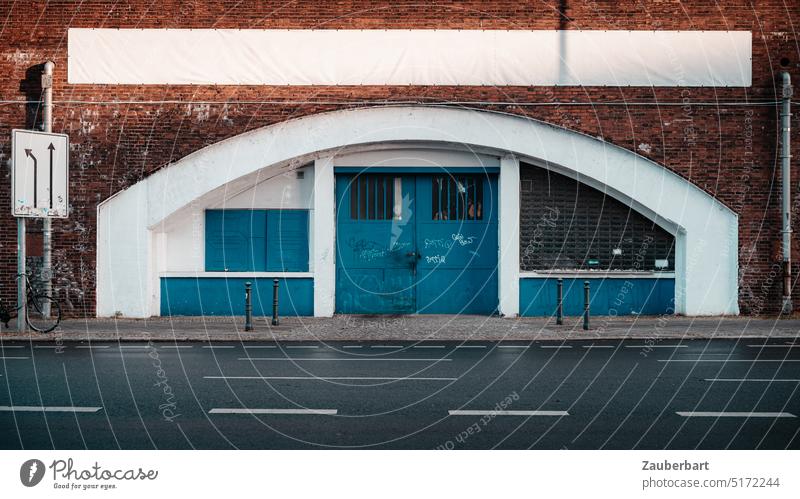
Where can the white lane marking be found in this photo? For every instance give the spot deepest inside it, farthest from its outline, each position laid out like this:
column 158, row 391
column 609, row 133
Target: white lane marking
column 219, row 346
column 508, row 413
column 701, row 414
column 260, row 346
column 131, row 347
column 773, row 346
column 48, row 346
column 656, row 346
column 302, row 346
column 14, row 358
column 337, row 378
column 377, row 359
column 176, row 347
column 352, row 346
column 512, row 346
column 386, row 346
column 324, row 412
column 471, row 346
column 429, row 346
column 599, row 346
column 92, row 346
column 759, row 380
column 12, row 346
column 727, row 360
column 38, row 408
column 556, row 346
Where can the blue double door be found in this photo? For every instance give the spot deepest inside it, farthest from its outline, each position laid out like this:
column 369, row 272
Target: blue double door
column 416, row 243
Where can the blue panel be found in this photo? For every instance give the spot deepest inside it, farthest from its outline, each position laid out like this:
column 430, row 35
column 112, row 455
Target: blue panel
column 236, row 240
column 287, row 241
column 221, row 296
column 611, row 296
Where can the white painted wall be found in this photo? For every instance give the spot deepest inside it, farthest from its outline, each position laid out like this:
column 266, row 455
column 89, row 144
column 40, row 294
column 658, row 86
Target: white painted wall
column 707, row 241
column 416, row 157
column 323, row 246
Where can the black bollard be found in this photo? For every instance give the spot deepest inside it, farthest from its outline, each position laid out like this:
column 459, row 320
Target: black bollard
column 560, row 302
column 585, row 305
column 248, row 307
column 275, row 302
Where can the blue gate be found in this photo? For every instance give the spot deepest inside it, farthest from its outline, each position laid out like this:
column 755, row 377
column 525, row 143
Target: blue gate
column 416, row 243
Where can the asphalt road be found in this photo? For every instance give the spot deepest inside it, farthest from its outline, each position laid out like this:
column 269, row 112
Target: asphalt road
column 715, row 394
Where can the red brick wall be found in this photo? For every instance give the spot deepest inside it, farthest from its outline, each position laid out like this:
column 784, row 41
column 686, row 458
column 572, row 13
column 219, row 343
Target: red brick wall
column 728, row 150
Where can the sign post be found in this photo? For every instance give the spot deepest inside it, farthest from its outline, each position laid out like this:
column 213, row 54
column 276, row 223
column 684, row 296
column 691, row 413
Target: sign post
column 39, row 189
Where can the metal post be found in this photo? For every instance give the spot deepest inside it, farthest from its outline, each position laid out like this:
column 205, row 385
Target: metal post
column 786, row 194
column 585, row 305
column 560, row 304
column 21, row 292
column 46, row 274
column 248, row 307
column 275, row 302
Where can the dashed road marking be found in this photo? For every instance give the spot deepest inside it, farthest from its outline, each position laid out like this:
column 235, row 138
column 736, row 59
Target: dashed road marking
column 754, row 380
column 471, row 346
column 302, row 346
column 335, row 378
column 429, row 346
column 219, row 346
column 556, row 346
column 656, row 346
column 599, row 346
column 773, row 346
column 176, row 347
column 37, row 408
column 91, row 346
column 14, row 358
column 323, row 412
column 507, row 413
column 728, row 360
column 320, row 359
column 703, row 414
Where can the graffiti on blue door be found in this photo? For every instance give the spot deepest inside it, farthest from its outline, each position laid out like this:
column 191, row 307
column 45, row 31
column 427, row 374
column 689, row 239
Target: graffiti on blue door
column 416, row 243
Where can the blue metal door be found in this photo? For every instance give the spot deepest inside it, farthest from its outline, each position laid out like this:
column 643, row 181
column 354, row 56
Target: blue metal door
column 416, row 243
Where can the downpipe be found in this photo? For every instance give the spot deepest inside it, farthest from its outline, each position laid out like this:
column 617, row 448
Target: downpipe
column 47, row 227
column 786, row 156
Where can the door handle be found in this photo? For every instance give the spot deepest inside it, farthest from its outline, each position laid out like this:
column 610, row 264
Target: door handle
column 415, row 254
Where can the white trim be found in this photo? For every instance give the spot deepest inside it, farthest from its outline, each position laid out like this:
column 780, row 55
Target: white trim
column 323, row 240
column 508, row 236
column 239, row 275
column 589, row 274
column 707, row 231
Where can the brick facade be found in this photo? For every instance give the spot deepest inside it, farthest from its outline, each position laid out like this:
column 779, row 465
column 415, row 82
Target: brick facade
column 120, row 134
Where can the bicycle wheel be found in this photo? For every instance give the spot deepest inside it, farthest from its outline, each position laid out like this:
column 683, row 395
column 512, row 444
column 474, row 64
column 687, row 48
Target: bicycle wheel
column 36, row 317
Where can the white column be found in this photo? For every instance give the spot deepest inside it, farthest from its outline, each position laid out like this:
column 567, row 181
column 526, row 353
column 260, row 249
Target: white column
column 324, row 238
column 508, row 264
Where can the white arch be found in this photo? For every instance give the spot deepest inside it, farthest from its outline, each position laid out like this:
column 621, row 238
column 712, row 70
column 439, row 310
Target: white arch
column 706, row 231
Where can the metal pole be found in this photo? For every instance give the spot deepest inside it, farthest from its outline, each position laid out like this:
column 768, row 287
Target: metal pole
column 275, row 302
column 21, row 292
column 786, row 181
column 560, row 299
column 585, row 305
column 248, row 307
column 46, row 275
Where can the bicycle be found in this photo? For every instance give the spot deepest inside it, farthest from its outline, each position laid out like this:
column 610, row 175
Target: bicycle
column 34, row 311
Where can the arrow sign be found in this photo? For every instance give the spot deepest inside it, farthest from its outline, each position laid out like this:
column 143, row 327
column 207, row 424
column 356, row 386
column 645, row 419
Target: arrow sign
column 27, row 147
column 52, row 148
column 35, row 176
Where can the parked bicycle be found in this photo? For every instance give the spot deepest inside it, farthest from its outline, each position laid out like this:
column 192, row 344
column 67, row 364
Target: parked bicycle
column 39, row 316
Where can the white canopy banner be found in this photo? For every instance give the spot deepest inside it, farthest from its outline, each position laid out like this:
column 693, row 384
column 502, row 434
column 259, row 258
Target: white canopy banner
column 410, row 57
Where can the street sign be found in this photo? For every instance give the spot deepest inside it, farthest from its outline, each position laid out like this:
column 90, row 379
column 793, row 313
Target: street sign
column 39, row 174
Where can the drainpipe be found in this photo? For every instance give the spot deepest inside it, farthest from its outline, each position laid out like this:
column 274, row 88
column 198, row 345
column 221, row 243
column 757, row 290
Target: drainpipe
column 47, row 87
column 786, row 156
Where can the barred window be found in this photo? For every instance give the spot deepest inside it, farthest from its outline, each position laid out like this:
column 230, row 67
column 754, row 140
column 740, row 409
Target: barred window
column 567, row 225
column 457, row 198
column 372, row 197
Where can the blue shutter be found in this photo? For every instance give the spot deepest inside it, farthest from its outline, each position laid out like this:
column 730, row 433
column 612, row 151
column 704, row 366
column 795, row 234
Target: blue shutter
column 287, row 241
column 236, row 240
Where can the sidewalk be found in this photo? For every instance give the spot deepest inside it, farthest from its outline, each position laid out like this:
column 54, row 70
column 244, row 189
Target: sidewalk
column 413, row 328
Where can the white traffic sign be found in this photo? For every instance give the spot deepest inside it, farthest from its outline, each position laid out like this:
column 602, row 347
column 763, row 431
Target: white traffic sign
column 39, row 174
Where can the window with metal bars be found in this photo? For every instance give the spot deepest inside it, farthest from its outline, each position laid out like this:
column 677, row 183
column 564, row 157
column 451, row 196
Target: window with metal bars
column 567, row 225
column 457, row 197
column 372, row 197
